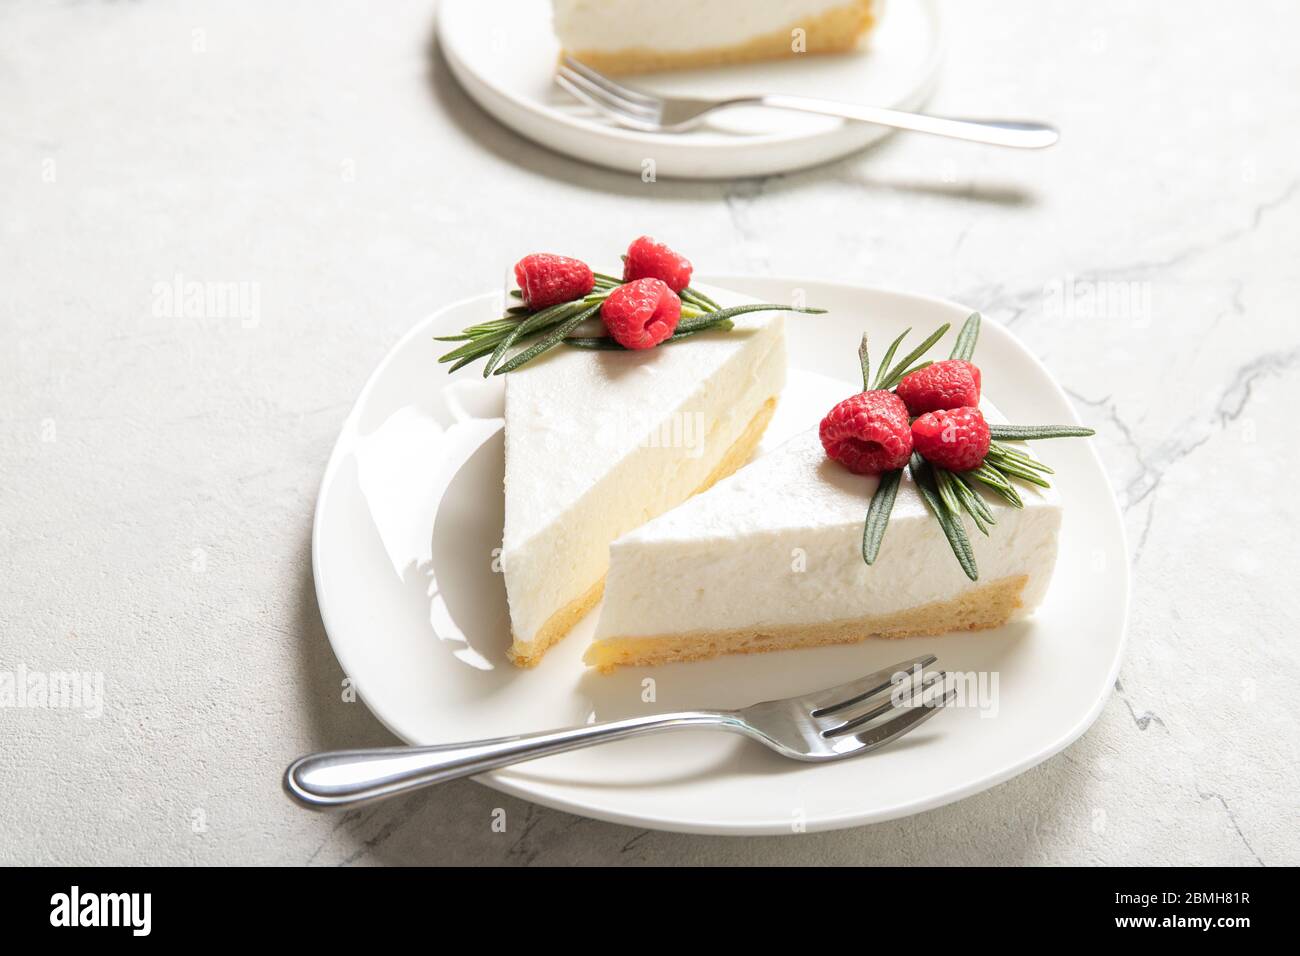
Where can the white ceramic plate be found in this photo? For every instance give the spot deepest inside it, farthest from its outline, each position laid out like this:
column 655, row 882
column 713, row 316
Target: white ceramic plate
column 503, row 52
column 410, row 510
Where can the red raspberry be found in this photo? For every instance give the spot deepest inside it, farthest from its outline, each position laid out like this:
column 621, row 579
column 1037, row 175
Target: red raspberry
column 868, row 433
column 549, row 280
column 641, row 314
column 952, row 383
column 647, row 259
column 956, row 439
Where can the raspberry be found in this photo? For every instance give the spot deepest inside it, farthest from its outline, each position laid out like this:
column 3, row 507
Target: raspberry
column 868, row 433
column 549, row 280
column 647, row 259
column 951, row 383
column 641, row 314
column 956, row 439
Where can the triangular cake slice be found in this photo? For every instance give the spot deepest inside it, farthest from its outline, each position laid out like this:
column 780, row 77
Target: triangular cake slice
column 600, row 442
column 771, row 559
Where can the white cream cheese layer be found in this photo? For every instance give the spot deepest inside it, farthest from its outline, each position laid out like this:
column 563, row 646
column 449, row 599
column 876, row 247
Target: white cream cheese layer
column 780, row 543
column 599, row 442
column 676, row 25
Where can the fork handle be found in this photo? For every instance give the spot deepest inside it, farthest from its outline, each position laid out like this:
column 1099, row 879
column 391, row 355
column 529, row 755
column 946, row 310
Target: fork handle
column 1021, row 134
column 341, row 779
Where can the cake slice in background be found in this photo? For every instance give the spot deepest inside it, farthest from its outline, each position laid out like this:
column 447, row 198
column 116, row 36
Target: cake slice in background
column 642, row 36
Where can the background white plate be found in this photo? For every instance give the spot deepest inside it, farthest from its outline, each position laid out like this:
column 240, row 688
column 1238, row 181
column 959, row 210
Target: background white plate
column 410, row 510
column 503, row 52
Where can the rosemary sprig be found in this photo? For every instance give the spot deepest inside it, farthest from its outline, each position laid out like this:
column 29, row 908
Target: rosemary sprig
column 949, row 521
column 954, row 496
column 989, row 476
column 864, row 360
column 882, row 503
column 1010, row 468
column 535, row 323
column 964, row 347
column 702, row 323
column 496, row 337
column 735, row 310
column 904, row 366
column 889, row 356
column 555, row 337
column 1034, row 432
column 697, row 298
column 1015, row 454
column 943, row 484
column 975, row 502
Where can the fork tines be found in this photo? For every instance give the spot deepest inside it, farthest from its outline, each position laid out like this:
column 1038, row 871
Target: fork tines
column 883, row 705
column 629, row 106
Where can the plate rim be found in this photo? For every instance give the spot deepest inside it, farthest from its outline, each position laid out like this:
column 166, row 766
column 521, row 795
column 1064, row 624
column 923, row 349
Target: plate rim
column 494, row 780
column 477, row 88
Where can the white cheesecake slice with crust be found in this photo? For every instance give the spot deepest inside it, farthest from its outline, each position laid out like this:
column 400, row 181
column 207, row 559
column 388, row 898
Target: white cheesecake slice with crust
column 771, row 559
column 637, row 36
column 599, row 442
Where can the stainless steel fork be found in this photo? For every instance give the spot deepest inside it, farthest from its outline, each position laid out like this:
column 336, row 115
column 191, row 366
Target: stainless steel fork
column 853, row 718
column 641, row 110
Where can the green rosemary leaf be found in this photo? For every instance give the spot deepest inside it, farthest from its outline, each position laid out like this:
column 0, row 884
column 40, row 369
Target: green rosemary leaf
column 505, row 323
column 701, row 323
column 969, row 501
column 555, row 337
column 889, row 356
column 1012, row 469
column 606, row 278
column 735, row 310
column 943, row 484
column 999, row 450
column 463, row 362
column 692, row 303
column 864, row 359
column 975, row 516
column 518, row 310
column 951, row 524
column 964, row 347
column 882, row 503
column 1033, row 432
column 897, row 372
column 452, row 338
column 723, row 325
column 702, row 299
column 975, row 499
column 475, row 348
column 989, row 475
column 517, row 293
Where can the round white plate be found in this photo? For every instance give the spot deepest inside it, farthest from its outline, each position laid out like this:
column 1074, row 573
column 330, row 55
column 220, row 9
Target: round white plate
column 504, row 52
column 410, row 512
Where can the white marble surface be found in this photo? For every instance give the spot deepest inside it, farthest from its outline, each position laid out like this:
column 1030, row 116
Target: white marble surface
column 157, row 473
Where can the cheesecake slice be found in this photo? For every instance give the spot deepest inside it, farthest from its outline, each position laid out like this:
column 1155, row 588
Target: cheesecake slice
column 771, row 559
column 599, row 442
column 636, row 36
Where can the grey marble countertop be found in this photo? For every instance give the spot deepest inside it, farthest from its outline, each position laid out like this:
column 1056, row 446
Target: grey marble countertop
column 158, row 471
